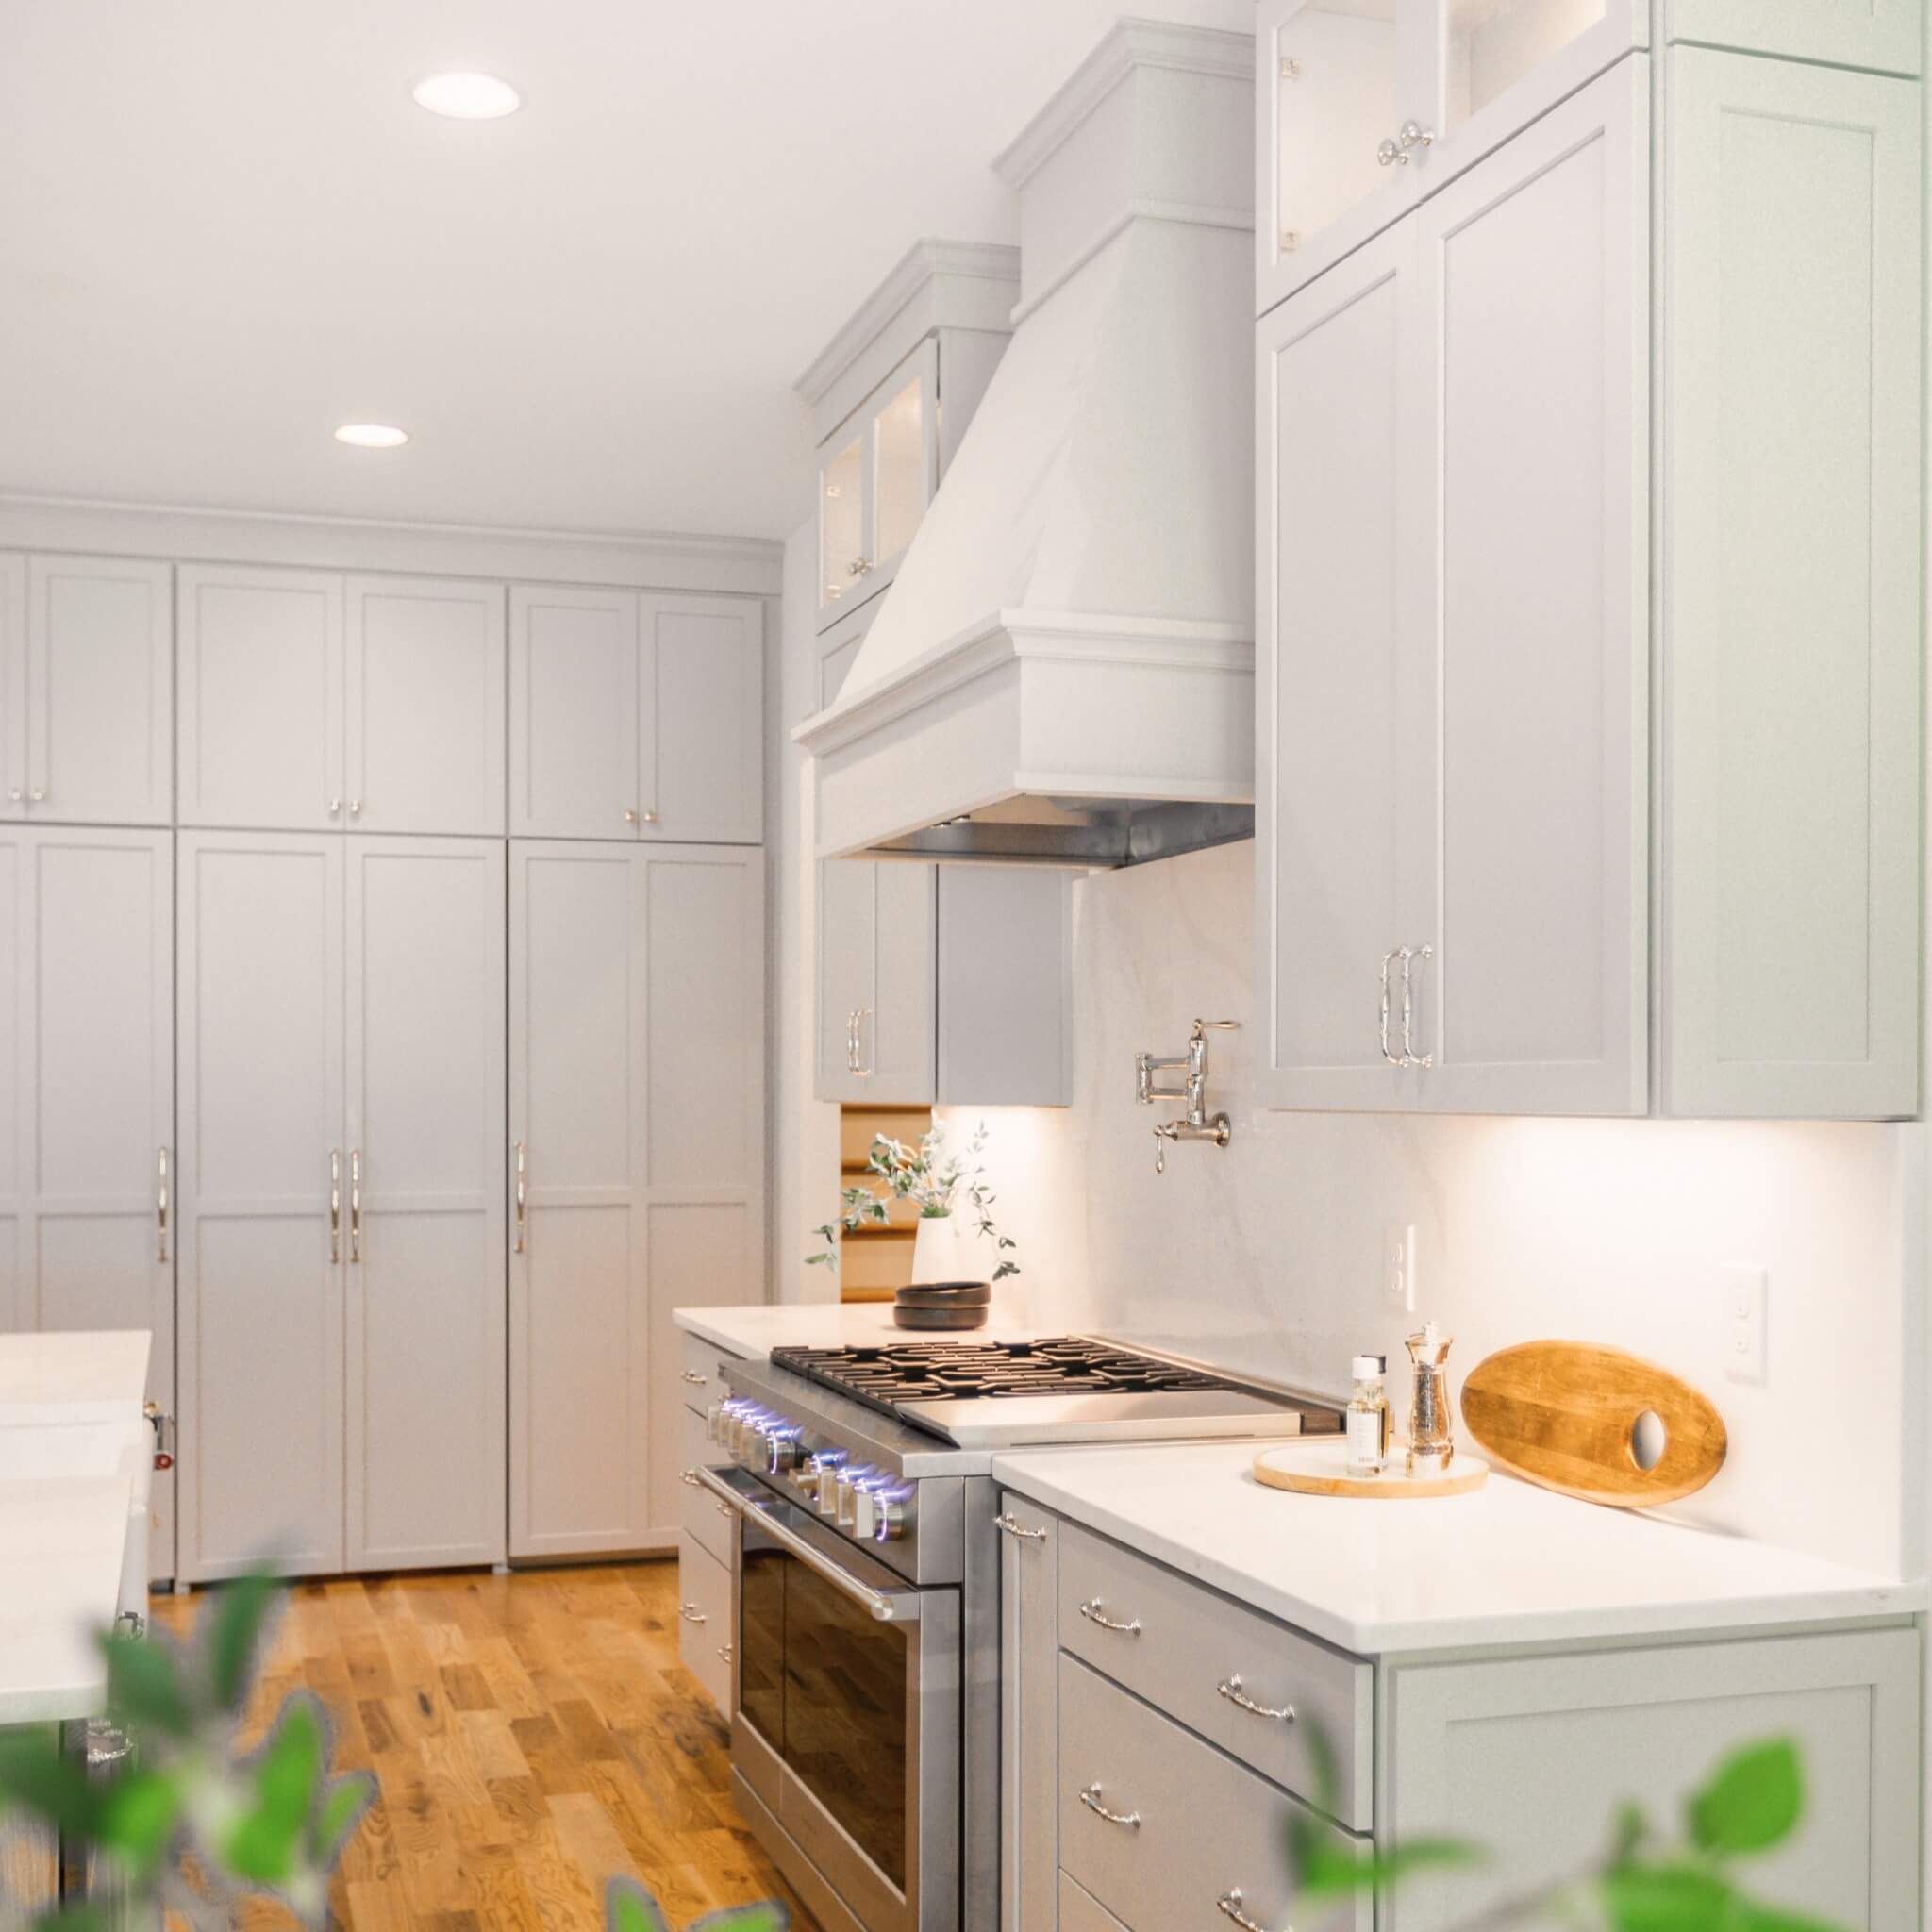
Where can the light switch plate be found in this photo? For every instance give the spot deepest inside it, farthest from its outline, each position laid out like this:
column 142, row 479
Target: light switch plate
column 1747, row 1297
column 1398, row 1265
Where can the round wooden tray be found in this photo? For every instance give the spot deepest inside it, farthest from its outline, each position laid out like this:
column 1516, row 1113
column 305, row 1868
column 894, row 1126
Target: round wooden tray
column 1320, row 1468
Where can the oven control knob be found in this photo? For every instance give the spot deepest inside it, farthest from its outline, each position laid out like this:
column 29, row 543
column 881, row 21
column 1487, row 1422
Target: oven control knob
column 744, row 1428
column 824, row 1482
column 718, row 1416
column 848, row 1482
column 891, row 1511
column 781, row 1447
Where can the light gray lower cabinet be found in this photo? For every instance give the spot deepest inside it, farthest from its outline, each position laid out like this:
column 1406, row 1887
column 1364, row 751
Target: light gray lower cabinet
column 87, row 1096
column 636, row 1167
column 707, row 1622
column 1124, row 1804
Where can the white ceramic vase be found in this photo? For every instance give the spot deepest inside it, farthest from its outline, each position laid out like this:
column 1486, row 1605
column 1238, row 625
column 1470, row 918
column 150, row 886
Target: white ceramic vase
column 938, row 1252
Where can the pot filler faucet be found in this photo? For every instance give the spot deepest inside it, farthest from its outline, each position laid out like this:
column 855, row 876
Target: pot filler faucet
column 1197, row 1123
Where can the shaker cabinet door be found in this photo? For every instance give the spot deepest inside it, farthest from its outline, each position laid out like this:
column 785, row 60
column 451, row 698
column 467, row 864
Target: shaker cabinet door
column 425, row 705
column 701, row 719
column 259, row 1046
column 1535, row 997
column 423, row 1357
column 1345, row 698
column 573, row 714
column 1791, row 655
column 261, row 726
column 13, row 573
column 100, row 691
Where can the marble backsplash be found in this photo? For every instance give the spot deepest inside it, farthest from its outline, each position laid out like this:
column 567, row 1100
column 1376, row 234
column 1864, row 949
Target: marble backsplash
column 1268, row 1255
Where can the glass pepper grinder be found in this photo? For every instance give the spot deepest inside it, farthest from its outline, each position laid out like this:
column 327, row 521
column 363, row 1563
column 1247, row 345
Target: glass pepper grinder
column 1431, row 1432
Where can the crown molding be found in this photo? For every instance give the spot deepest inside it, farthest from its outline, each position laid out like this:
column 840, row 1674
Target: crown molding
column 925, row 261
column 1132, row 43
column 664, row 561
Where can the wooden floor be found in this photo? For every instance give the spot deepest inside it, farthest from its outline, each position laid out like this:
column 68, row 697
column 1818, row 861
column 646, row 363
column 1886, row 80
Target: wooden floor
column 533, row 1736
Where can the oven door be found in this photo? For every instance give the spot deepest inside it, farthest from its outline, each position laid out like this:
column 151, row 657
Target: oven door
column 847, row 1721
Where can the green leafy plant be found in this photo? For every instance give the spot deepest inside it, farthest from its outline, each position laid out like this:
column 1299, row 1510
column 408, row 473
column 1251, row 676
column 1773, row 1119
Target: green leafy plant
column 1642, row 1882
column 931, row 1177
column 628, row 1907
column 190, row 1824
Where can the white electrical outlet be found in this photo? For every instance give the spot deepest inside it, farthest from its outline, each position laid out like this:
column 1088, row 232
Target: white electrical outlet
column 1398, row 1265
column 1747, row 1297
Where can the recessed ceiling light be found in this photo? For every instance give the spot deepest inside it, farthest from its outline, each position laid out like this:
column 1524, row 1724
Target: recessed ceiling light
column 373, row 435
column 468, row 96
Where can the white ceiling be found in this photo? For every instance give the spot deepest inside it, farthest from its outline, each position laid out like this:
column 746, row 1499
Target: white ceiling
column 225, row 229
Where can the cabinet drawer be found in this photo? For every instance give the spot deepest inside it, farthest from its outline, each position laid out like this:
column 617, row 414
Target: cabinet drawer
column 1207, row 1826
column 1080, row 1911
column 1189, row 1648
column 700, row 1514
column 703, row 1620
column 698, row 1381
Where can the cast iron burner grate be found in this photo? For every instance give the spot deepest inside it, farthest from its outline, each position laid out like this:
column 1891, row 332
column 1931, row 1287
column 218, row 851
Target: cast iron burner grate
column 887, row 1374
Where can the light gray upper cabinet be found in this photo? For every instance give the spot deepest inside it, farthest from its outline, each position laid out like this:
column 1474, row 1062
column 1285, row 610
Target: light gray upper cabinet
column 342, row 1201
column 264, row 1201
column 424, row 1281
column 1364, row 111
column 636, row 1122
column 312, row 702
column 935, row 982
column 1886, row 34
column 87, row 1095
column 424, row 740
column 1790, row 588
column 1467, row 900
column 87, row 690
column 259, row 668
column 636, row 717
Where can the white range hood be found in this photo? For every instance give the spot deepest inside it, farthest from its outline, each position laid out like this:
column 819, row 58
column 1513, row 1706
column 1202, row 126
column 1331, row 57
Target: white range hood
column 1062, row 670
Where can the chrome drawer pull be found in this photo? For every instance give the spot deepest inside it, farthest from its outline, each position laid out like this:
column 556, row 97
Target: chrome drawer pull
column 696, row 1381
column 1013, row 1528
column 1233, row 1693
column 692, row 1614
column 1230, row 1906
column 1091, row 1798
column 689, row 1477
column 1090, row 1610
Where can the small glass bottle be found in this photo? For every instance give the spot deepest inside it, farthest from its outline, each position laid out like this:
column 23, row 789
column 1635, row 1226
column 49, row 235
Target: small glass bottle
column 1368, row 1416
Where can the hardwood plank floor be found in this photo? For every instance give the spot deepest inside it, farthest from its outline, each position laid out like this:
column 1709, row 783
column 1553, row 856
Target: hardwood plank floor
column 532, row 1736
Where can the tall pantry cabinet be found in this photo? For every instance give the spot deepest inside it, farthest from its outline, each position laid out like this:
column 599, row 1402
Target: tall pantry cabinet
column 1589, row 601
column 256, row 944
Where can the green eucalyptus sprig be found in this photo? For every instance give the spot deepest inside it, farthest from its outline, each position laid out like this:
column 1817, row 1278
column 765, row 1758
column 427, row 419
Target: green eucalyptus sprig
column 932, row 1176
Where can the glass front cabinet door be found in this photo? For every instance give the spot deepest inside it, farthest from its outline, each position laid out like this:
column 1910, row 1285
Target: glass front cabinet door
column 876, row 474
column 1367, row 106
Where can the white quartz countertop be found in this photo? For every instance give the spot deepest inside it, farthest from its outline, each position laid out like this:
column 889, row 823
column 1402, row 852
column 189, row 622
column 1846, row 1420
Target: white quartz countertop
column 1508, row 1564
column 73, row 1377
column 754, row 1331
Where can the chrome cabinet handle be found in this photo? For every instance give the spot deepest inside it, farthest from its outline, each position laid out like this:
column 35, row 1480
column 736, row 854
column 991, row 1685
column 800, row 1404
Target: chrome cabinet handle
column 852, row 1040
column 37, row 796
column 1091, row 1611
column 1409, row 954
column 161, row 1201
column 1388, row 1053
column 696, row 1381
column 724, row 1653
column 650, row 818
column 1232, row 1691
column 692, row 1614
column 355, row 1204
column 335, row 1205
column 1391, row 156
column 523, row 1197
column 630, row 814
column 1090, row 1796
column 689, row 1477
column 1013, row 1527
column 1230, row 1906
column 859, row 566
column 355, row 807
column 1412, row 134
column 335, row 807
column 864, row 1071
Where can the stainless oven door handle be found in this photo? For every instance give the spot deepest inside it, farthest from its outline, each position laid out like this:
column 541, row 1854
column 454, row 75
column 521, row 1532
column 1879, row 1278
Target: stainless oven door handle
column 899, row 1606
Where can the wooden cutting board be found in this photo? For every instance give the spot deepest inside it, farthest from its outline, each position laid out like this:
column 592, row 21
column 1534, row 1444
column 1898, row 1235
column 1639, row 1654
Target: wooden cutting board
column 1320, row 1468
column 1565, row 1414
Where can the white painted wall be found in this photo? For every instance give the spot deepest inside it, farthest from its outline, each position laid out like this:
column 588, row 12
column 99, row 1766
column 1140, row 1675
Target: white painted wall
column 1266, row 1255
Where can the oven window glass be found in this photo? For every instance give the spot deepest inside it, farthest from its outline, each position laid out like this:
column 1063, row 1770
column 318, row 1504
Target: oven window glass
column 761, row 1641
column 846, row 1675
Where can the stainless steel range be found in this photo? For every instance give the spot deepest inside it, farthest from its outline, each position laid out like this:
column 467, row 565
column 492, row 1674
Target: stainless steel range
column 866, row 1593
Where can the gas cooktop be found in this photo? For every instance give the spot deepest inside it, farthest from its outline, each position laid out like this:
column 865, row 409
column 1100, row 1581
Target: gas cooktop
column 1065, row 1389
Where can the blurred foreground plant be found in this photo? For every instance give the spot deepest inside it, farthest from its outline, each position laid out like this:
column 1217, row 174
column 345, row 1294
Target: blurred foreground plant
column 1644, row 1882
